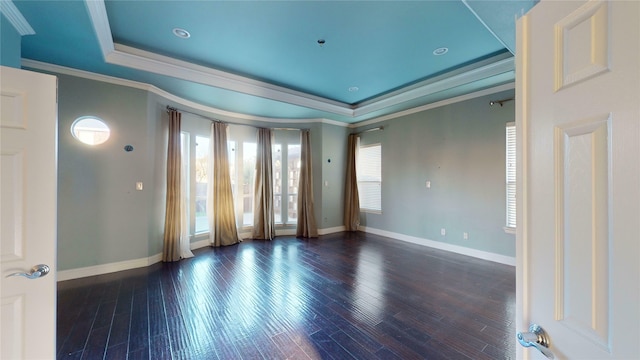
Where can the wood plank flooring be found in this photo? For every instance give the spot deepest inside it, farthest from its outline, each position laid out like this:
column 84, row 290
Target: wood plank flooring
column 342, row 296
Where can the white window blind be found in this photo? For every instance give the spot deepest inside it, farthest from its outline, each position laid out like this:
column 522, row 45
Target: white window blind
column 369, row 175
column 511, row 174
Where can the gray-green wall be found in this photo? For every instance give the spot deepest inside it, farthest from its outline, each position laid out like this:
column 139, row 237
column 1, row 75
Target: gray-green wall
column 460, row 149
column 333, row 165
column 155, row 181
column 102, row 219
column 10, row 51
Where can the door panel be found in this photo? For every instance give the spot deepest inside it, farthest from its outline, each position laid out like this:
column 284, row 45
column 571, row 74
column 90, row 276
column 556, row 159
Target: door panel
column 12, row 174
column 28, row 181
column 578, row 90
column 582, row 228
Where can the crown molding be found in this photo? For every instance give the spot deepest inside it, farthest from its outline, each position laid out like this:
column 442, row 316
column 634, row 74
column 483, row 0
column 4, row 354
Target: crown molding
column 57, row 69
column 467, row 75
column 130, row 57
column 144, row 60
column 15, row 17
column 437, row 104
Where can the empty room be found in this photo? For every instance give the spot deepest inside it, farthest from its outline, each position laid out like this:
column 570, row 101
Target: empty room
column 320, row 179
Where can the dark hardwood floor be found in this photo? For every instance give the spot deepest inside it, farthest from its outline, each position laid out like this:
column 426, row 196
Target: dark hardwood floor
column 342, row 296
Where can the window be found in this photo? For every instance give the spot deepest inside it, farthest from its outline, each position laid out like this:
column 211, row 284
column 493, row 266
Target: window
column 293, row 169
column 195, row 157
column 202, row 179
column 249, row 152
column 241, row 169
column 242, row 150
column 231, row 153
column 90, row 130
column 186, row 177
column 196, row 145
column 286, row 174
column 276, row 159
column 369, row 175
column 511, row 176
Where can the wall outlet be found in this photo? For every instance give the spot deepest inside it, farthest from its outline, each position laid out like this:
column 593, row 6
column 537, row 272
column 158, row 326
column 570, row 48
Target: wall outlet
column 428, row 184
column 465, row 235
column 443, row 232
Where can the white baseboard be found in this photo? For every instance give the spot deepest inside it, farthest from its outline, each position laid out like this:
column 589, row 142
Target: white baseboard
column 331, row 230
column 142, row 262
column 200, row 244
column 286, row 232
column 292, row 232
column 107, row 268
column 502, row 259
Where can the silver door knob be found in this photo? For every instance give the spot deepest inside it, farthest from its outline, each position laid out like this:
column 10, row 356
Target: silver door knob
column 537, row 338
column 37, row 271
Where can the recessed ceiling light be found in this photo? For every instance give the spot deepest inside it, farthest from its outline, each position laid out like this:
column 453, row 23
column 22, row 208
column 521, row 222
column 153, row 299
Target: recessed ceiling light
column 440, row 51
column 181, row 33
column 354, row 89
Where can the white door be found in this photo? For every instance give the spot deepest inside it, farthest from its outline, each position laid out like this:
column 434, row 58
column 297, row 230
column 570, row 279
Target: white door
column 28, row 181
column 578, row 124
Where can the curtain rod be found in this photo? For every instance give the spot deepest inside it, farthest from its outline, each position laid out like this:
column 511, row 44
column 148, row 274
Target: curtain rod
column 169, row 108
column 501, row 102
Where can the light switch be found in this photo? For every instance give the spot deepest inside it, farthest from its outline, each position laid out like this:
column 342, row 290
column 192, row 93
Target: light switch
column 139, row 186
column 326, row 183
column 428, row 184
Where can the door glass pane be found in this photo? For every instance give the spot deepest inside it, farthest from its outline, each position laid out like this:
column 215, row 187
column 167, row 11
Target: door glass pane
column 293, row 172
column 248, row 174
column 202, row 167
column 231, row 153
column 277, row 182
column 186, row 167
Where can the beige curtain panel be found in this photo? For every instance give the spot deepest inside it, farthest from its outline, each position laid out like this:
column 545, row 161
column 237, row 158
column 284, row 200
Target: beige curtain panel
column 263, row 216
column 222, row 220
column 173, row 214
column 306, row 226
column 351, row 196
